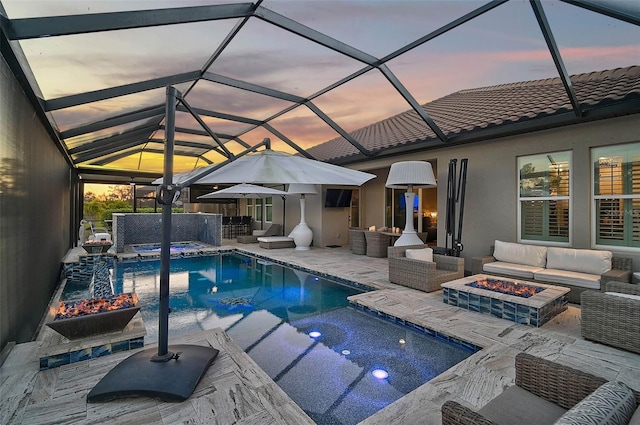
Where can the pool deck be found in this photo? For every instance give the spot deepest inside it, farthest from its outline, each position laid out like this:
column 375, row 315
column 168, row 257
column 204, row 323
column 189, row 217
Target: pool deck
column 235, row 391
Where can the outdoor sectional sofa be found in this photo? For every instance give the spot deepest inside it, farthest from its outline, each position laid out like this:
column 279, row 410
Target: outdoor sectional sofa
column 550, row 393
column 577, row 269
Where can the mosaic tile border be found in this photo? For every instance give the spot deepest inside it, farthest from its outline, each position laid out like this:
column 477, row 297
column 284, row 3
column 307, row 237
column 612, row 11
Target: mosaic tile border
column 87, row 353
column 440, row 336
column 508, row 310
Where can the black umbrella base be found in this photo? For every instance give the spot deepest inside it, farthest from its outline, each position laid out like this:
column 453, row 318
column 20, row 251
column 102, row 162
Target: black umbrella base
column 173, row 380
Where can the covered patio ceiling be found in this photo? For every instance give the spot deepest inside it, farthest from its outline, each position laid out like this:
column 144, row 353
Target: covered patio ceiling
column 299, row 72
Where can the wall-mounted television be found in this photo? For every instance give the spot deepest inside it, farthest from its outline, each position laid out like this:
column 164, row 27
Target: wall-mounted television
column 337, row 198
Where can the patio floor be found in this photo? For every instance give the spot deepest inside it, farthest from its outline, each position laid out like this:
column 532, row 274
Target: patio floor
column 235, row 390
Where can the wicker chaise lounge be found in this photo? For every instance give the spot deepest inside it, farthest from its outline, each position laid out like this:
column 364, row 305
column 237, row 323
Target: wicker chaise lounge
column 544, row 392
column 612, row 319
column 273, row 230
column 276, row 242
column 422, row 275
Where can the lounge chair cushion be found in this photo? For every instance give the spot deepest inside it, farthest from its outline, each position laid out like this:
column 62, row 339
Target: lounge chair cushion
column 511, row 269
column 518, row 253
column 516, row 406
column 423, row 254
column 613, row 403
column 582, row 260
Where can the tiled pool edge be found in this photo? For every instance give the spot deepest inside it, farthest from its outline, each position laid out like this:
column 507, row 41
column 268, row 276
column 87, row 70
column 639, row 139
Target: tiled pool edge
column 441, row 336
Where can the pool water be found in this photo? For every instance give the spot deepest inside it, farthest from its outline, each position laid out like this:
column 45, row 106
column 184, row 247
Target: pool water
column 331, row 359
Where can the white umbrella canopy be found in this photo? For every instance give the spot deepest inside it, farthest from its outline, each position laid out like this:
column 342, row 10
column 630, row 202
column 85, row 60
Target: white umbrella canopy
column 268, row 167
column 244, row 190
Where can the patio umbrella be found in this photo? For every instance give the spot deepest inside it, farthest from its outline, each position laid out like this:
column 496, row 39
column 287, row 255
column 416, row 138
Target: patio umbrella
column 272, row 167
column 244, row 190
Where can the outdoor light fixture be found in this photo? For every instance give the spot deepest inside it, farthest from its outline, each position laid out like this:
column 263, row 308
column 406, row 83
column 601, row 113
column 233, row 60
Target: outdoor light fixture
column 302, row 234
column 409, row 175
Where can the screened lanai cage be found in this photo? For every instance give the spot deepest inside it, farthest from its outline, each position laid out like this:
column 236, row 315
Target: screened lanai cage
column 339, row 81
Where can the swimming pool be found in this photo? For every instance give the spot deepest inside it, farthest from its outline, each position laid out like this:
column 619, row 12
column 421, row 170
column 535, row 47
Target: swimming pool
column 331, row 359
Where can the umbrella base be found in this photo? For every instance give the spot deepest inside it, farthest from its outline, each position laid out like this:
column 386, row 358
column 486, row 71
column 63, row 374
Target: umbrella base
column 172, row 381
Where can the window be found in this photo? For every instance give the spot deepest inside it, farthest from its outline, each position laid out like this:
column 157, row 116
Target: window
column 268, row 207
column 616, row 195
column 250, row 210
column 544, row 197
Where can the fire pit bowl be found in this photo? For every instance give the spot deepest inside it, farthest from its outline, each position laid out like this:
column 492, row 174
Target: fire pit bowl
column 97, row 246
column 82, row 318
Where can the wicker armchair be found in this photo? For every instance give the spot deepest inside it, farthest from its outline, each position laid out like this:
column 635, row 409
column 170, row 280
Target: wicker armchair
column 377, row 244
column 423, row 275
column 553, row 382
column 611, row 319
column 358, row 241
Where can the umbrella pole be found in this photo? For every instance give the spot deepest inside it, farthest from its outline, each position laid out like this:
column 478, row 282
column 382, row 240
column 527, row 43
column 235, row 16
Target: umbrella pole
column 161, row 375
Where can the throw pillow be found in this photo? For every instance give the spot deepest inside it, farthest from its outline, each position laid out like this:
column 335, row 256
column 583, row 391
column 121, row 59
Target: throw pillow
column 423, row 254
column 613, row 403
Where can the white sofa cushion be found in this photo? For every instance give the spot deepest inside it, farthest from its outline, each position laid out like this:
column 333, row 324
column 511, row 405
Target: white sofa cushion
column 566, row 277
column 579, row 260
column 510, row 269
column 517, row 253
column 423, row 254
column 274, row 239
column 619, row 294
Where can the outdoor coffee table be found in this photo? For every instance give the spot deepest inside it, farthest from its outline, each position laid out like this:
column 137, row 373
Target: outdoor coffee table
column 535, row 310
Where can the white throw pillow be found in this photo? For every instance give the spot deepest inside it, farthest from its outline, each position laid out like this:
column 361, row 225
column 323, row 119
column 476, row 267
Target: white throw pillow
column 619, row 294
column 517, row 253
column 579, row 260
column 423, row 254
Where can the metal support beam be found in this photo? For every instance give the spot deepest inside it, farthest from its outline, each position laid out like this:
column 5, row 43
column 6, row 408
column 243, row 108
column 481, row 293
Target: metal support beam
column 139, row 132
column 220, row 115
column 338, row 129
column 206, row 128
column 51, row 26
column 232, row 82
column 413, row 102
column 140, row 114
column 108, row 93
column 605, row 8
column 288, row 141
column 555, row 54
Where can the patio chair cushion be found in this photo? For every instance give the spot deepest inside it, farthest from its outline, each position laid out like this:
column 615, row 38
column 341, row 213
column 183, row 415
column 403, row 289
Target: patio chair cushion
column 518, row 253
column 630, row 296
column 424, row 254
column 582, row 260
column 517, row 406
column 613, row 403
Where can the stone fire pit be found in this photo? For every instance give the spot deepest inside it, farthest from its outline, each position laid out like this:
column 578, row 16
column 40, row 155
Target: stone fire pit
column 82, row 318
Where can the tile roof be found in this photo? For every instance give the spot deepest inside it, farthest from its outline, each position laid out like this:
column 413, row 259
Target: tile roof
column 470, row 110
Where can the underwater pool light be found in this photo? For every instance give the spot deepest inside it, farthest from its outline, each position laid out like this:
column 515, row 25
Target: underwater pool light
column 314, row 334
column 380, row 374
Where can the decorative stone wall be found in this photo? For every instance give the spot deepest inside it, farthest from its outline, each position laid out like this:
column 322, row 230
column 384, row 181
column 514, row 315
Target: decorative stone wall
column 131, row 229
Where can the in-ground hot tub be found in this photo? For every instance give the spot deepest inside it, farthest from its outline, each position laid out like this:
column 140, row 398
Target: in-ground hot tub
column 519, row 301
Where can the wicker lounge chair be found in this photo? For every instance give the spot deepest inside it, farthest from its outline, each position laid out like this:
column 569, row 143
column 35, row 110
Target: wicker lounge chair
column 273, row 230
column 377, row 244
column 544, row 390
column 423, row 275
column 358, row 241
column 611, row 319
column 275, row 242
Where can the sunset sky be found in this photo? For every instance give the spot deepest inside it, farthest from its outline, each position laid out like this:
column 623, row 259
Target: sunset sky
column 502, row 46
